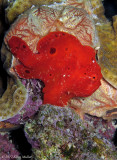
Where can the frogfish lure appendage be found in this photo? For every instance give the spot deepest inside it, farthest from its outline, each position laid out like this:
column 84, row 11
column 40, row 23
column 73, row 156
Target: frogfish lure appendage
column 67, row 68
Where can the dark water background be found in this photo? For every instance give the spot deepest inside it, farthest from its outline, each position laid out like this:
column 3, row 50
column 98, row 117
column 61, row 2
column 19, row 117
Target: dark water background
column 110, row 8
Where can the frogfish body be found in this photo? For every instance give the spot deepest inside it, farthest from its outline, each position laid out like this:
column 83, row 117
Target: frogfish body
column 67, row 68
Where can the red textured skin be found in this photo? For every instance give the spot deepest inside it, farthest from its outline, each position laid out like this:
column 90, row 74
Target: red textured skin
column 67, row 68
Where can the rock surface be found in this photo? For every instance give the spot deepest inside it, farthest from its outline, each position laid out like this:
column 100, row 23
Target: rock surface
column 59, row 133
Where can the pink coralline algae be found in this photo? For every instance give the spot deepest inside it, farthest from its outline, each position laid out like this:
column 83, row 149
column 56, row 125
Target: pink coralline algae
column 105, row 128
column 7, row 149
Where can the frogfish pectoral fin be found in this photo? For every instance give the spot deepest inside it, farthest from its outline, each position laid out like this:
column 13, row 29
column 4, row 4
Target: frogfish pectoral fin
column 24, row 72
column 22, row 52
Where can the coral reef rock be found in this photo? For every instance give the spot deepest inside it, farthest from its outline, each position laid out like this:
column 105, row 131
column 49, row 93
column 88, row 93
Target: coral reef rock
column 59, row 133
column 107, row 32
column 13, row 99
column 105, row 128
column 22, row 97
column 15, row 95
column 32, row 104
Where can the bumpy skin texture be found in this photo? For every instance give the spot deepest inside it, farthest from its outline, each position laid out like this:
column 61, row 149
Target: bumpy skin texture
column 7, row 149
column 59, row 133
column 67, row 68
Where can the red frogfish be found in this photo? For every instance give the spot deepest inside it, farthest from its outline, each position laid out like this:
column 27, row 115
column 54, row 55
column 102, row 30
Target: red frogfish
column 67, row 68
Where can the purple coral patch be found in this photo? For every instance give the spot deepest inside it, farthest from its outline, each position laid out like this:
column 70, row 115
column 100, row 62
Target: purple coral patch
column 7, row 149
column 33, row 102
column 104, row 128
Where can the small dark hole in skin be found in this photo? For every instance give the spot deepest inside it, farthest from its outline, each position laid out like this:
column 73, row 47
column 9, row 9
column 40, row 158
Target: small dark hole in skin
column 52, row 50
column 93, row 77
column 24, row 46
column 27, row 71
column 63, row 34
column 38, row 52
column 56, row 35
column 85, row 73
column 50, row 74
column 68, row 68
